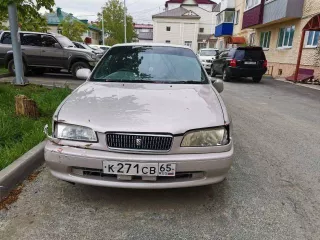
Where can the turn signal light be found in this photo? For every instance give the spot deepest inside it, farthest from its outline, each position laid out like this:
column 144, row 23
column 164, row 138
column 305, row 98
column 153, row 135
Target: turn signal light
column 233, row 63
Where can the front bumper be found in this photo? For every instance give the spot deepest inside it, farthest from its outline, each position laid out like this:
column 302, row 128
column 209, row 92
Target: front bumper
column 208, row 168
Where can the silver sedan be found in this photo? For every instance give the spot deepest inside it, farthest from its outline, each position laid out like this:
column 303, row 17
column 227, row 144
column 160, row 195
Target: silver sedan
column 148, row 116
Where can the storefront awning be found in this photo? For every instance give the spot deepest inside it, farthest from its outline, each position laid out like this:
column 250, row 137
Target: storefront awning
column 236, row 40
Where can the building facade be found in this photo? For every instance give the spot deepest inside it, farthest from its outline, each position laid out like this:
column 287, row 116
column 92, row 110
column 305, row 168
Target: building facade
column 279, row 25
column 55, row 18
column 186, row 22
column 144, row 33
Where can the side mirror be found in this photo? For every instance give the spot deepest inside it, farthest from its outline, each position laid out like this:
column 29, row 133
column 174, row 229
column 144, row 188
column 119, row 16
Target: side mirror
column 218, row 84
column 56, row 45
column 83, row 73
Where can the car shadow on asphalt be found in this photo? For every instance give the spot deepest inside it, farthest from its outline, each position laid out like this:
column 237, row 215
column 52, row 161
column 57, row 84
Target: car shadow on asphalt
column 180, row 198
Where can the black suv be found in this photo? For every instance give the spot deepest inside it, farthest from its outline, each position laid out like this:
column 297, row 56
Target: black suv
column 41, row 51
column 240, row 62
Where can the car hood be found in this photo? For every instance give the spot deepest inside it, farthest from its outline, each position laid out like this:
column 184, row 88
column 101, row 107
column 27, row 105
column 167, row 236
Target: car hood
column 147, row 107
column 207, row 57
column 74, row 49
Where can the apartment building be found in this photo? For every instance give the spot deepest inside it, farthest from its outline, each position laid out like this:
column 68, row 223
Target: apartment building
column 284, row 28
column 186, row 22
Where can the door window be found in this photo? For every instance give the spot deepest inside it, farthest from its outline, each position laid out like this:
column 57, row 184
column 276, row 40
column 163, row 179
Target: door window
column 6, row 38
column 30, row 40
column 48, row 41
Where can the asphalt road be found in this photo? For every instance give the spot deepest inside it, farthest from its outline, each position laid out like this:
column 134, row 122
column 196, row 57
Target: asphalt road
column 272, row 192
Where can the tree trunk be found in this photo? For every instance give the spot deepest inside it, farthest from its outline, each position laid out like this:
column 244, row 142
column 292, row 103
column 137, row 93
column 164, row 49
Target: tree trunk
column 26, row 107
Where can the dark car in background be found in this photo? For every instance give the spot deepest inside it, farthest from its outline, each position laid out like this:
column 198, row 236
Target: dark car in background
column 240, row 62
column 45, row 51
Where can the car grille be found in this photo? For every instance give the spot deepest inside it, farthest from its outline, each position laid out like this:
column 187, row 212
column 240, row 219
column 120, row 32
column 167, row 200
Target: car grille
column 143, row 142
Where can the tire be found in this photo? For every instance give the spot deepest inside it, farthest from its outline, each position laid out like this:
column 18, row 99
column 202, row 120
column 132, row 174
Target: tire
column 78, row 65
column 256, row 79
column 11, row 67
column 225, row 76
column 39, row 71
column 213, row 72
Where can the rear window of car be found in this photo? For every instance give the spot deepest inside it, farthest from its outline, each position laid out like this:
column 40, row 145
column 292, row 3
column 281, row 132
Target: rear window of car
column 249, row 54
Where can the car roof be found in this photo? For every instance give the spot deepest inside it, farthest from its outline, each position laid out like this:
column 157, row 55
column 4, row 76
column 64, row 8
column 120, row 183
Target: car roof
column 49, row 33
column 150, row 45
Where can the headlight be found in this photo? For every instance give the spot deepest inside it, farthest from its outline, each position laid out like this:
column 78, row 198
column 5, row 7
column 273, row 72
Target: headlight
column 77, row 133
column 203, row 61
column 206, row 138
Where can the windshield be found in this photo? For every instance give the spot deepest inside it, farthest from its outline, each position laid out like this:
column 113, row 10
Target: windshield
column 208, row 52
column 65, row 42
column 150, row 64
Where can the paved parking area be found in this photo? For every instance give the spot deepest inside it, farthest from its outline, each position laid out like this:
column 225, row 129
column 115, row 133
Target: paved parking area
column 272, row 192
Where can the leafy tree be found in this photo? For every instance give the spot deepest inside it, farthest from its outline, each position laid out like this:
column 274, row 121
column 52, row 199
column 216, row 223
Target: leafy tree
column 113, row 14
column 73, row 28
column 29, row 18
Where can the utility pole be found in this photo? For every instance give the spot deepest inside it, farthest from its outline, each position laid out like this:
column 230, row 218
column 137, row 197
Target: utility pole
column 16, row 46
column 102, row 27
column 125, row 21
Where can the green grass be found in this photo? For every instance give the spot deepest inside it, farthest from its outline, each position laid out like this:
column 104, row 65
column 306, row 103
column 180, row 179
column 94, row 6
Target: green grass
column 20, row 134
column 3, row 70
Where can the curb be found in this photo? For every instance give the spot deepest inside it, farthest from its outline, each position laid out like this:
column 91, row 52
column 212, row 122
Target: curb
column 310, row 86
column 5, row 75
column 17, row 171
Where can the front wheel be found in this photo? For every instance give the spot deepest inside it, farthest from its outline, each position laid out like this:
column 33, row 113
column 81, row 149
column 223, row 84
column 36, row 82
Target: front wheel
column 225, row 76
column 77, row 66
column 257, row 79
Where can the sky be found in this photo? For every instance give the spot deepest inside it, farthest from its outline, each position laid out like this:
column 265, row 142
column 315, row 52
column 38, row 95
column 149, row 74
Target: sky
column 140, row 10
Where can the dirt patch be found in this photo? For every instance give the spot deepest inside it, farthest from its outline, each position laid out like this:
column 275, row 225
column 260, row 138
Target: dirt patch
column 11, row 198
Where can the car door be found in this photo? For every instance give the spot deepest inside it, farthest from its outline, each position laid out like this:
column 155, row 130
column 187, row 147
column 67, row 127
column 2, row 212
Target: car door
column 219, row 63
column 31, row 48
column 52, row 53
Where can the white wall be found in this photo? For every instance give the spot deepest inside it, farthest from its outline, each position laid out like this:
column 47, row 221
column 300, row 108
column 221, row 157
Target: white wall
column 145, row 41
column 227, row 4
column 207, row 20
column 181, row 30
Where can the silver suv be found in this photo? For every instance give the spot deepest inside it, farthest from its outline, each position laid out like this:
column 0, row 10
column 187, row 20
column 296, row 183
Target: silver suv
column 41, row 51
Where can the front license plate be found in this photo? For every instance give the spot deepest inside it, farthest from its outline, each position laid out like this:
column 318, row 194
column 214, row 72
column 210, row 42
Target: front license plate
column 139, row 169
column 250, row 63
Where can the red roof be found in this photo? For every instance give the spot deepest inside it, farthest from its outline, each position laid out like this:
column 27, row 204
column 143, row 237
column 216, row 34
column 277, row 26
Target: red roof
column 197, row 1
column 145, row 26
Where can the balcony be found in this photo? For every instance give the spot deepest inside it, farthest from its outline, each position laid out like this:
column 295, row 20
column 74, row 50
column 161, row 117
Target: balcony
column 224, row 23
column 224, row 29
column 253, row 14
column 282, row 10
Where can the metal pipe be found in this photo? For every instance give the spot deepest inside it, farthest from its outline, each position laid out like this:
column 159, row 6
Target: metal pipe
column 125, row 22
column 299, row 55
column 102, row 27
column 16, row 46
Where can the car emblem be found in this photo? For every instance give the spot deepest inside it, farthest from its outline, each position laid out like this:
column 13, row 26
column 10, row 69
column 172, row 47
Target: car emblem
column 138, row 141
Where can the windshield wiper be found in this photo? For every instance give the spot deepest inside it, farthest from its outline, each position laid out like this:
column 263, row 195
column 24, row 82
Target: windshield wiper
column 187, row 82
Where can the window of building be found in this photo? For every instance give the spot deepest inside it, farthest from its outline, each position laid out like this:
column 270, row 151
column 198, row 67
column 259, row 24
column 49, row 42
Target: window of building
column 286, row 37
column 168, row 41
column 236, row 17
column 168, row 29
column 313, row 38
column 252, row 39
column 201, row 30
column 59, row 31
column 188, row 43
column 202, row 45
column 225, row 17
column 265, row 39
column 252, row 3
